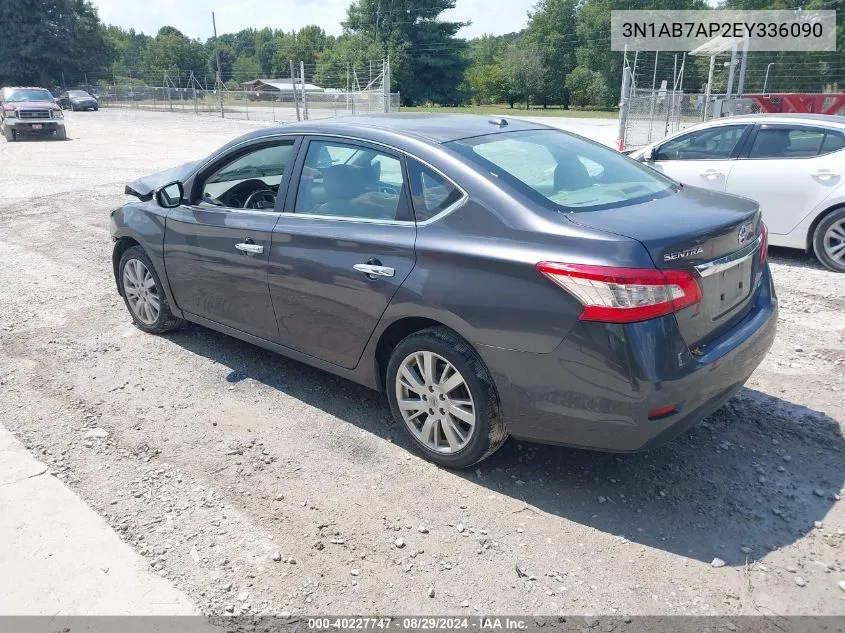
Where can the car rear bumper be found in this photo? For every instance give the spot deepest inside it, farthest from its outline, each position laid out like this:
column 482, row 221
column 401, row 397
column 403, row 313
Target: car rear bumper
column 597, row 388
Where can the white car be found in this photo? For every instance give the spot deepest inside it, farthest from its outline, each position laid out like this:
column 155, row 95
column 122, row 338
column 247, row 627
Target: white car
column 793, row 165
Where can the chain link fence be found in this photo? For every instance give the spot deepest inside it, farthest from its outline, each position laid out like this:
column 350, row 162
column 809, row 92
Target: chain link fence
column 281, row 107
column 308, row 92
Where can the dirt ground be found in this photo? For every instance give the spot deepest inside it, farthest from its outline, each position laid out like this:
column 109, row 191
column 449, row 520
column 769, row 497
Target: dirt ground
column 260, row 485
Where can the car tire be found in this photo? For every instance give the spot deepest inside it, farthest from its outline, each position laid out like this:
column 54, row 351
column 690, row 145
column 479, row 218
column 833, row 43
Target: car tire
column 97, row 108
column 61, row 134
column 830, row 233
column 10, row 135
column 151, row 312
column 442, row 349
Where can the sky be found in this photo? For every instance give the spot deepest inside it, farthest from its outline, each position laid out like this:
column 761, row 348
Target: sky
column 193, row 17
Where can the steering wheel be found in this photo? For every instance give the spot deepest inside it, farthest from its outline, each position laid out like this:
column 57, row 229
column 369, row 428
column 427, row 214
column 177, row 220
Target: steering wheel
column 261, row 199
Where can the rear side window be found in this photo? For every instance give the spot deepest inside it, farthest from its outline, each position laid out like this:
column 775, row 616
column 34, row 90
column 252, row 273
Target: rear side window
column 833, row 142
column 710, row 144
column 563, row 171
column 344, row 180
column 785, row 142
column 431, row 192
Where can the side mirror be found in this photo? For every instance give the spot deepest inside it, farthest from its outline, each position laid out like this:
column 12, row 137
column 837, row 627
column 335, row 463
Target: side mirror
column 170, row 196
column 651, row 155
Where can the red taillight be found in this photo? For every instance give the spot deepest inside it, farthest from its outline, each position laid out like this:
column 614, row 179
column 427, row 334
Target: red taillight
column 624, row 295
column 764, row 242
column 662, row 412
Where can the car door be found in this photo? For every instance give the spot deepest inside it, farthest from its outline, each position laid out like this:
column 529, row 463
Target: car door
column 342, row 248
column 702, row 158
column 789, row 170
column 217, row 246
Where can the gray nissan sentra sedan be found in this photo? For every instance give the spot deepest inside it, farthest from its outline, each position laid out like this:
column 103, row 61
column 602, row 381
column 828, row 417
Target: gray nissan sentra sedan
column 492, row 277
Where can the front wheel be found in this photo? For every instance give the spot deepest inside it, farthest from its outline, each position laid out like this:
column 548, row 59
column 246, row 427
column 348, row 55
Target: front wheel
column 142, row 292
column 9, row 134
column 61, row 134
column 443, row 396
column 829, row 241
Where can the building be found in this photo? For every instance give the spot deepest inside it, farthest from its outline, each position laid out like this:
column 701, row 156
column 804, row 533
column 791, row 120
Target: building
column 283, row 86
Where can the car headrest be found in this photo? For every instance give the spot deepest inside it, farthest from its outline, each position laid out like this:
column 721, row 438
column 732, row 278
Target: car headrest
column 773, row 142
column 570, row 174
column 343, row 182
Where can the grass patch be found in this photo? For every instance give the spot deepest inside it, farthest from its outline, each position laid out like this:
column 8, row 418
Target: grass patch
column 506, row 111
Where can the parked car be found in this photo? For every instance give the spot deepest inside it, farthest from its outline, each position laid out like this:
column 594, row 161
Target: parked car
column 432, row 257
column 793, row 165
column 30, row 111
column 78, row 100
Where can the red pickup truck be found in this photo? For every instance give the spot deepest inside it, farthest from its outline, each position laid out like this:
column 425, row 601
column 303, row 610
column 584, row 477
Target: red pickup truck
column 30, row 111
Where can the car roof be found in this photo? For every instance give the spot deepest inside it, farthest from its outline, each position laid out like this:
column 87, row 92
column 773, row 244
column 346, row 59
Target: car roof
column 812, row 119
column 429, row 127
column 24, row 88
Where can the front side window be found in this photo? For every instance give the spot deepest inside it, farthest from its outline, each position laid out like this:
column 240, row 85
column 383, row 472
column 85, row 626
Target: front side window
column 431, row 193
column 710, row 144
column 344, row 180
column 786, row 142
column 572, row 173
column 250, row 181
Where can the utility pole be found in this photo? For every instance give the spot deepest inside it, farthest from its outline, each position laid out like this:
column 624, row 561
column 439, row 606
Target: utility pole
column 219, row 81
column 293, row 88
column 709, row 88
column 347, row 87
column 741, row 86
column 304, row 102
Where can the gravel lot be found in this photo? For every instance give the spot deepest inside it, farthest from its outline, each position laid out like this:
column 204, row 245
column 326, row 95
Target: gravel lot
column 264, row 486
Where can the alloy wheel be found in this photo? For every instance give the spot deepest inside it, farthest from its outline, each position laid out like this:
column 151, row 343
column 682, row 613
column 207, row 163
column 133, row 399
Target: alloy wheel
column 141, row 291
column 435, row 402
column 834, row 241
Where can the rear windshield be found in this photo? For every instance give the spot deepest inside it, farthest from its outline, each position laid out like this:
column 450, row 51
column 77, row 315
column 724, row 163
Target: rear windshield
column 28, row 94
column 572, row 173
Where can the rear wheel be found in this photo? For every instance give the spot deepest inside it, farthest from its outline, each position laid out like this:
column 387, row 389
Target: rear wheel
column 142, row 293
column 829, row 241
column 443, row 396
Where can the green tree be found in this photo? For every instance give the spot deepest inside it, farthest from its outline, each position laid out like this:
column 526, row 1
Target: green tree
column 427, row 60
column 173, row 53
column 551, row 28
column 345, row 54
column 523, row 71
column 486, row 79
column 587, row 87
column 128, row 47
column 41, row 40
column 227, row 57
column 246, row 69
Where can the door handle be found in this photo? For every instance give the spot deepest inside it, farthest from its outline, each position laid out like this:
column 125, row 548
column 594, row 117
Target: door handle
column 711, row 174
column 374, row 270
column 249, row 246
column 825, row 174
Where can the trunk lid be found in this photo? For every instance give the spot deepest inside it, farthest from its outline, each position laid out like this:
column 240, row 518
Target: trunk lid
column 715, row 235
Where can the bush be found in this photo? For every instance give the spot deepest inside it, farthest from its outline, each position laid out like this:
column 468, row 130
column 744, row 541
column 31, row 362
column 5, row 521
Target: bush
column 586, row 87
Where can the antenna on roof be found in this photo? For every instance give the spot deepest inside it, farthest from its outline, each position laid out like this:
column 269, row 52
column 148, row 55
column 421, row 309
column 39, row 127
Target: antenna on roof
column 498, row 122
